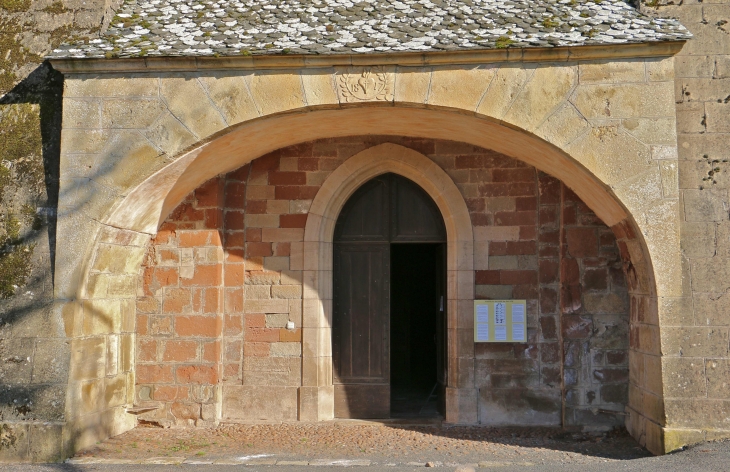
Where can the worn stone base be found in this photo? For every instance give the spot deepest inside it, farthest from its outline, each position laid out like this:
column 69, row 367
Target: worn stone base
column 676, row 438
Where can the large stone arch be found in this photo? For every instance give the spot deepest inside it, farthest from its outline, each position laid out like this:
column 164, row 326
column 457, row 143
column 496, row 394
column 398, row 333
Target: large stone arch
column 550, row 122
column 316, row 403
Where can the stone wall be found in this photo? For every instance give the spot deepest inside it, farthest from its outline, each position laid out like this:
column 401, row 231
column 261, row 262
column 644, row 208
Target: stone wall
column 199, row 292
column 695, row 328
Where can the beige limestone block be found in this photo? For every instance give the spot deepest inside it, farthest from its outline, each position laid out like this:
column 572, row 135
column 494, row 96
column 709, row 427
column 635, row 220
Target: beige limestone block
column 691, row 117
column 286, row 291
column 170, row 135
column 85, row 141
column 230, row 95
column 548, row 87
column 676, row 439
column 88, row 358
column 276, row 91
column 104, row 86
column 612, row 71
column 126, row 160
column 626, row 100
column 675, row 311
column 718, row 117
column 670, row 178
column 188, row 101
column 259, row 403
column 130, row 113
column 266, row 306
column 256, row 292
column 101, row 317
column 611, row 154
column 459, row 87
column 641, row 190
column 496, row 233
column 684, row 377
column 365, row 84
column 80, row 113
column 660, row 225
column 412, row 84
column 286, row 350
column 695, row 342
column 662, row 131
column 115, row 391
column 605, row 303
column 698, row 239
column 563, row 126
column 718, row 378
column 319, row 87
column 118, row 259
column 706, row 205
column 507, row 83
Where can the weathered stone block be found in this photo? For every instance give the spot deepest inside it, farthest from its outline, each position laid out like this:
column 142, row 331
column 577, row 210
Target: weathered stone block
column 260, row 403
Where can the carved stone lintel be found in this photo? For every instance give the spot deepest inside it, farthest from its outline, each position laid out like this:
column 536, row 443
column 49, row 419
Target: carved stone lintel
column 359, row 84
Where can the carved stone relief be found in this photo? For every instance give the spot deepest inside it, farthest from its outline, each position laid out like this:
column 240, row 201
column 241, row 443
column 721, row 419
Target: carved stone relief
column 365, row 83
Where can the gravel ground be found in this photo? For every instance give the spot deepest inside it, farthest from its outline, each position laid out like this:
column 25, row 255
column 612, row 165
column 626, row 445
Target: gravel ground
column 387, row 444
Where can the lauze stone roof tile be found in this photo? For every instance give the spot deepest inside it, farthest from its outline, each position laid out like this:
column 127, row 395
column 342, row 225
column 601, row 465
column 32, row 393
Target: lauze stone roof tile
column 256, row 27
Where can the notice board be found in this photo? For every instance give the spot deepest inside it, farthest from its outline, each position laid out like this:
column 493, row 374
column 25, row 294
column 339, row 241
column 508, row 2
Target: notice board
column 500, row 321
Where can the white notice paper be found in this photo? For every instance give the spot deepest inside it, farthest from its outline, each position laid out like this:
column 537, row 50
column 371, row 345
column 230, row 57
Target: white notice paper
column 482, row 332
column 518, row 313
column 500, row 333
column 518, row 332
column 500, row 314
column 482, row 313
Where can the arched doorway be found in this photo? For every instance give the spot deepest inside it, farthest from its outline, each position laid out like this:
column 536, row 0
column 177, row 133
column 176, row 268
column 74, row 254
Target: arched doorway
column 389, row 323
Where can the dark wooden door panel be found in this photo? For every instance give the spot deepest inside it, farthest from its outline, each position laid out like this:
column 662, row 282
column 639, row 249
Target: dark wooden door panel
column 361, row 313
column 362, row 401
column 414, row 215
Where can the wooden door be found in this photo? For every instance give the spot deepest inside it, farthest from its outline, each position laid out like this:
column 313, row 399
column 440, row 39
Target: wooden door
column 387, row 209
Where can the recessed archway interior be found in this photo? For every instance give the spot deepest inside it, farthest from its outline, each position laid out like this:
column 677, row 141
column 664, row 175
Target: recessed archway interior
column 389, row 305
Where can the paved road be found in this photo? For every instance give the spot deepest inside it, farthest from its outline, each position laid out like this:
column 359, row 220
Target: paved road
column 713, row 457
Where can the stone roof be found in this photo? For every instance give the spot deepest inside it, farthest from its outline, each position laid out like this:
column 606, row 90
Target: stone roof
column 268, row 27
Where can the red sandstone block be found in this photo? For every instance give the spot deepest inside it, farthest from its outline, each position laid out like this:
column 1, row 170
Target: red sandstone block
column 154, row 374
column 308, row 164
column 476, row 204
column 266, row 162
column 235, row 194
column 168, row 393
column 211, row 300
column 549, row 270
column 234, row 275
column 595, row 279
column 180, row 351
column 198, row 238
column 282, row 249
column 519, row 189
column 549, row 352
column 233, row 220
column 233, row 325
column 147, row 350
column 293, row 221
column 616, row 357
column 256, row 349
column 176, row 300
column 207, row 195
column 569, row 271
column 169, row 256
column 234, row 350
column 204, row 275
column 235, row 239
column 526, row 174
column 548, row 301
column 258, row 249
column 253, row 235
column 298, row 150
column 234, row 256
column 525, row 203
column 582, row 242
column 570, row 216
column 230, row 371
column 576, row 327
column 480, row 219
column 287, row 178
column 270, row 335
column 213, row 218
column 212, row 351
column 548, row 251
column 240, row 174
column 198, row 326
column 548, row 215
column 486, row 277
column 142, row 321
column 186, row 212
column 517, row 277
column 255, row 320
column 164, row 234
column 256, row 207
column 549, row 190
column 515, row 218
column 548, row 327
column 197, row 374
column 528, row 233
column 549, row 237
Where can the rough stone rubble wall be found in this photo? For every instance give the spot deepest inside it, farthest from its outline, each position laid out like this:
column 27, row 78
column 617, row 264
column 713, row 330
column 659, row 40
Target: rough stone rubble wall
column 519, row 216
column 695, row 340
